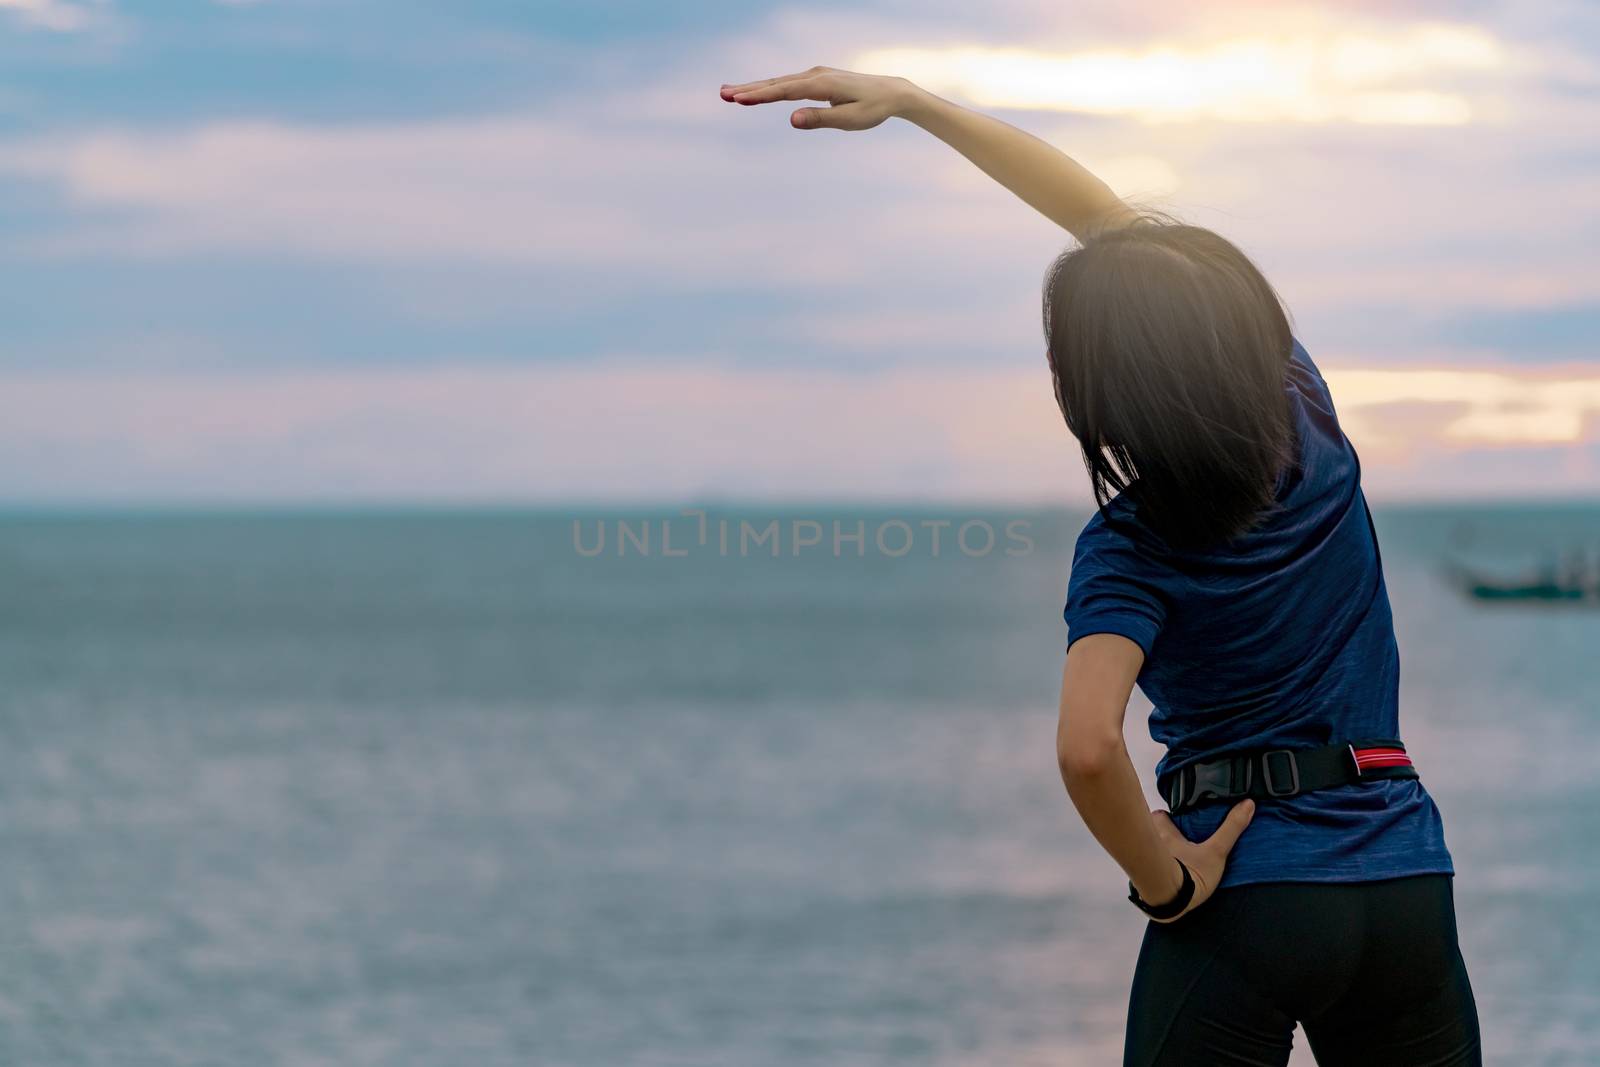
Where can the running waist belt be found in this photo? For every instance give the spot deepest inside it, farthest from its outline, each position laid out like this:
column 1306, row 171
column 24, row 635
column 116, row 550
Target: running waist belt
column 1283, row 772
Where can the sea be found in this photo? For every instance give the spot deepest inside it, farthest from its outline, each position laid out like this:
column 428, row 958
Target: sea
column 725, row 785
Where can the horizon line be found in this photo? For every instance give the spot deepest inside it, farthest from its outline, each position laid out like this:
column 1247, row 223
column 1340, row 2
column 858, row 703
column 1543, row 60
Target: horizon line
column 107, row 506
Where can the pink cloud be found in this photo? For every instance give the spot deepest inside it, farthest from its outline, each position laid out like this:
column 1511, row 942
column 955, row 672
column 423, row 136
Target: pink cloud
column 625, row 428
column 666, row 181
column 663, row 188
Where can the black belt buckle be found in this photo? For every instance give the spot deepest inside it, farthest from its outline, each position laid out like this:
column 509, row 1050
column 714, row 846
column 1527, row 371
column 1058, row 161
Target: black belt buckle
column 1213, row 780
column 1267, row 776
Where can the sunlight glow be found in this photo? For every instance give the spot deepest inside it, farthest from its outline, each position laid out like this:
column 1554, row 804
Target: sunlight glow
column 1138, row 176
column 1377, row 76
column 1494, row 408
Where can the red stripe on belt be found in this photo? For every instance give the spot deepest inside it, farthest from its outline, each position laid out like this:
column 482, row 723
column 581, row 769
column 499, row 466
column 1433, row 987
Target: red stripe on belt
column 1370, row 758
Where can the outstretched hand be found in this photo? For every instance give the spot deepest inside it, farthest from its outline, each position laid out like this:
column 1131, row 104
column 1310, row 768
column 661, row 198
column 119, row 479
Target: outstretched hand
column 1206, row 859
column 856, row 101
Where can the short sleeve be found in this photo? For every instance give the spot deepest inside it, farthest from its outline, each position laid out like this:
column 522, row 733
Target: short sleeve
column 1305, row 383
column 1112, row 592
column 1323, row 445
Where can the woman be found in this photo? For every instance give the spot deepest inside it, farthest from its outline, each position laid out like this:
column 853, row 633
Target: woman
column 1232, row 571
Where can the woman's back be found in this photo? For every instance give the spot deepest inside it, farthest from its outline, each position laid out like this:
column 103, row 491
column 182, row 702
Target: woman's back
column 1281, row 639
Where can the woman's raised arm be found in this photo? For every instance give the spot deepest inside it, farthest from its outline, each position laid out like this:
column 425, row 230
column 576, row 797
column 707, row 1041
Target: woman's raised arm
column 1044, row 177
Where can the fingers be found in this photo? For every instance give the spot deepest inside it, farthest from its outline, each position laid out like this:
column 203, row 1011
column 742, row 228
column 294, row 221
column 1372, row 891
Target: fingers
column 1206, row 859
column 843, row 117
column 1227, row 834
column 740, row 87
column 797, row 89
column 730, row 91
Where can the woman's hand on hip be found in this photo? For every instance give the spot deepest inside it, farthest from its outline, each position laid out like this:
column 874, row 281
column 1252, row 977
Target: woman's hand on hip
column 1206, row 859
column 857, row 101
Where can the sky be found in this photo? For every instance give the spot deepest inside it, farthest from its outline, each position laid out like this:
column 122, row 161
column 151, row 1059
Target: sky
column 350, row 250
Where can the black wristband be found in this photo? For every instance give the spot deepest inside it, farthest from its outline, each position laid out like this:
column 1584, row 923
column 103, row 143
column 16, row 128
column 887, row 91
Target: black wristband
column 1172, row 908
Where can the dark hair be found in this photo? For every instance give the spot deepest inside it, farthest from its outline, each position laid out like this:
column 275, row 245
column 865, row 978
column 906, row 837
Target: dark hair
column 1168, row 348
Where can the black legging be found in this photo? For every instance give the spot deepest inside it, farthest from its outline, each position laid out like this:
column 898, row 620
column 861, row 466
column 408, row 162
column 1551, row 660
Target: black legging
column 1371, row 970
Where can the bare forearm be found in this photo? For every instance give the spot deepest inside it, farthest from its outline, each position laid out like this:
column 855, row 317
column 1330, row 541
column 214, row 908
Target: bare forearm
column 1096, row 681
column 1041, row 175
column 1111, row 803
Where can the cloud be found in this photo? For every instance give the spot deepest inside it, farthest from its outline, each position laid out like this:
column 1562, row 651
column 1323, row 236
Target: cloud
column 50, row 14
column 614, row 430
column 406, row 188
column 632, row 427
column 885, row 249
column 667, row 187
column 1319, row 71
column 64, row 16
column 750, row 203
column 507, row 189
column 1487, row 408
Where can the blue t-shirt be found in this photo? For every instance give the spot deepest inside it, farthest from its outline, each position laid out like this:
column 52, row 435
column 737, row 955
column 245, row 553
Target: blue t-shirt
column 1282, row 639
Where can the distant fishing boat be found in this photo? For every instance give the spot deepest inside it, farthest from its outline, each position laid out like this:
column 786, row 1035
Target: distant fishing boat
column 1484, row 590
column 1547, row 585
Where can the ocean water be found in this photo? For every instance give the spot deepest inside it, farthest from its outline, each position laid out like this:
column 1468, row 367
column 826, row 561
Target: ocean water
column 445, row 789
